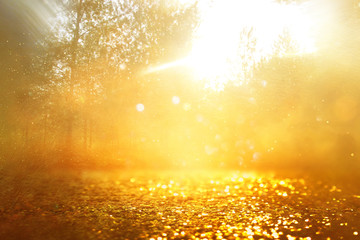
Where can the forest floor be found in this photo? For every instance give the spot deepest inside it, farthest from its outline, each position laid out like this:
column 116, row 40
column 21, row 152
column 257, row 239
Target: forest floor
column 177, row 205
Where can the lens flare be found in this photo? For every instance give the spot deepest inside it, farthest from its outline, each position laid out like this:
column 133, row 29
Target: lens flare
column 175, row 100
column 140, row 107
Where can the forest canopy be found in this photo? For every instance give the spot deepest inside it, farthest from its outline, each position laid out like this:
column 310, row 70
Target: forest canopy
column 155, row 83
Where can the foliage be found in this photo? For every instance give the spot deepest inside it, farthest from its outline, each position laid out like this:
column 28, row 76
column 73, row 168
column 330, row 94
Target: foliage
column 90, row 62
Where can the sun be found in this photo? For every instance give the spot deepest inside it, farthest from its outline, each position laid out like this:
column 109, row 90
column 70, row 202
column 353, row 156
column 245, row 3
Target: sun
column 234, row 35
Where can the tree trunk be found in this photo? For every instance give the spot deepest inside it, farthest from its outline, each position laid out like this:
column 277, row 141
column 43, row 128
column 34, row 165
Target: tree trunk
column 90, row 133
column 73, row 62
column 45, row 132
column 85, row 133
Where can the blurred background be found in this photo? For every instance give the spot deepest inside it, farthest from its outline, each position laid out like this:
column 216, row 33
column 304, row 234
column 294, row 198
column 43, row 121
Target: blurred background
column 180, row 84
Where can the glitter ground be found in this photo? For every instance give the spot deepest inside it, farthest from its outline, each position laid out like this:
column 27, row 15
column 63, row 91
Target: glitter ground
column 178, row 205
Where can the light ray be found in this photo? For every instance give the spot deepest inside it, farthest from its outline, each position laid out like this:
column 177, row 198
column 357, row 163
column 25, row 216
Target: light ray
column 233, row 36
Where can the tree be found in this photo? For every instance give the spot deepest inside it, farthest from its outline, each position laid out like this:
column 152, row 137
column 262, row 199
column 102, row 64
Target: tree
column 95, row 56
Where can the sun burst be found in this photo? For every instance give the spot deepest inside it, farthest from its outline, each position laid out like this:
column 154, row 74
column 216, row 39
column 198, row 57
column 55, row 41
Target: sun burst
column 234, row 36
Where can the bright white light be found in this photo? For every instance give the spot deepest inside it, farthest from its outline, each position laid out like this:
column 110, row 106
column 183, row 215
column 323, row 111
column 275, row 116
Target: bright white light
column 264, row 83
column 175, row 100
column 234, row 35
column 140, row 107
column 123, row 66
